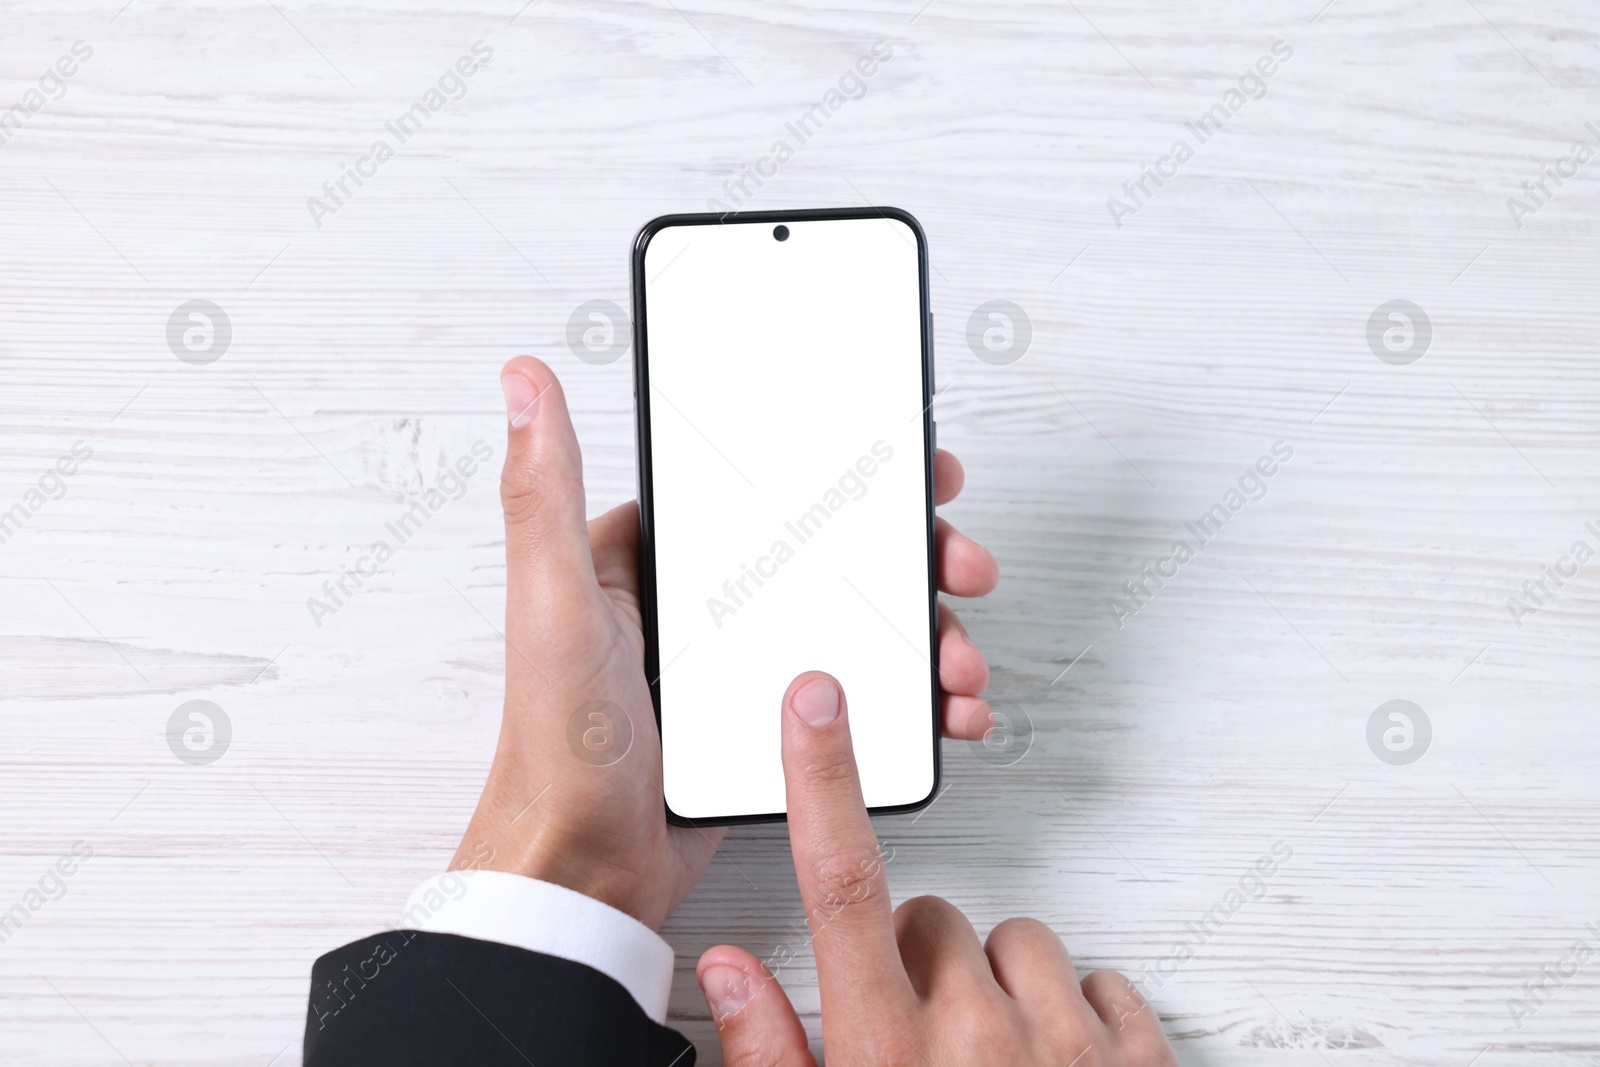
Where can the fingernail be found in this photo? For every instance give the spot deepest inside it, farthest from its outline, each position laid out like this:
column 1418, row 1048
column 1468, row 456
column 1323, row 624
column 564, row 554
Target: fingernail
column 522, row 399
column 817, row 702
column 725, row 989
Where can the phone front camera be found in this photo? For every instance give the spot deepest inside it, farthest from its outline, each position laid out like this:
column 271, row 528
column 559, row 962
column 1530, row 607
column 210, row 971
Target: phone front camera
column 780, row 233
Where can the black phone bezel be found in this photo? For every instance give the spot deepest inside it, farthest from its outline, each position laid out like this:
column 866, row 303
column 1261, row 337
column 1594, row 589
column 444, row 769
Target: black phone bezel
column 641, row 407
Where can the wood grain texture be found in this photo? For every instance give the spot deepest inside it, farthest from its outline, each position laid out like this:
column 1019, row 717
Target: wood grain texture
column 1227, row 313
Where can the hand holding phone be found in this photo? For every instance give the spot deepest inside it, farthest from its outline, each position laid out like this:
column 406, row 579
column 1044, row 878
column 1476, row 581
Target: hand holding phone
column 911, row 984
column 574, row 795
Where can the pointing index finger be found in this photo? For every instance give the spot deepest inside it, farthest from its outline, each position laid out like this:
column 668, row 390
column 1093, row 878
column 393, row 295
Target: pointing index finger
column 836, row 856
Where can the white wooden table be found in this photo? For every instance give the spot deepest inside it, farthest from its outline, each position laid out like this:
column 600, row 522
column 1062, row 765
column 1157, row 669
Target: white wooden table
column 1228, row 311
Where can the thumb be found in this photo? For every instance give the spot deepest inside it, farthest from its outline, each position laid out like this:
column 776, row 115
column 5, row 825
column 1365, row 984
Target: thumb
column 541, row 492
column 754, row 1018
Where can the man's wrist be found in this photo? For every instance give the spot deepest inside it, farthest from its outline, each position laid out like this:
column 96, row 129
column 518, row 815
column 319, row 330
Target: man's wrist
column 543, row 855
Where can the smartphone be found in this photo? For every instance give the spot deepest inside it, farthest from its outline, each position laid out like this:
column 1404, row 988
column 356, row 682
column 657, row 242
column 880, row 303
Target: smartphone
column 783, row 375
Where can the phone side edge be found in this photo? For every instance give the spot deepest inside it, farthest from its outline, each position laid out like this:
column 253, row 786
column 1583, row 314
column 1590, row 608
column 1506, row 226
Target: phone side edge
column 925, row 315
column 643, row 461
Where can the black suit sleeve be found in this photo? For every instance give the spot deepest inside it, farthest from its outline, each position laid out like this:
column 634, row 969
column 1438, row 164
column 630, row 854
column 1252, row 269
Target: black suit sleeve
column 407, row 998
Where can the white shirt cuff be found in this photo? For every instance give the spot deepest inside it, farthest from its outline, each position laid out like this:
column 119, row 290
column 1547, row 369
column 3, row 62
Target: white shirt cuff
column 542, row 917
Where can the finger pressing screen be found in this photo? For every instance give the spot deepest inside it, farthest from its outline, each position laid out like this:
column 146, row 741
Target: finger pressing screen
column 836, row 857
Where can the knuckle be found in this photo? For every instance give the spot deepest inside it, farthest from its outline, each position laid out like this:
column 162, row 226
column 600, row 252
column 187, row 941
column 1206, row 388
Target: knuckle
column 924, row 910
column 923, row 921
column 519, row 498
column 1023, row 928
column 1106, row 984
column 832, row 770
column 846, row 880
column 1026, row 936
column 1123, row 1008
column 535, row 502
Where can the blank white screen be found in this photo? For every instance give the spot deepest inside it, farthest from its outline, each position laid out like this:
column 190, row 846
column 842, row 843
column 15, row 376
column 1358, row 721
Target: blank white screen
column 781, row 374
